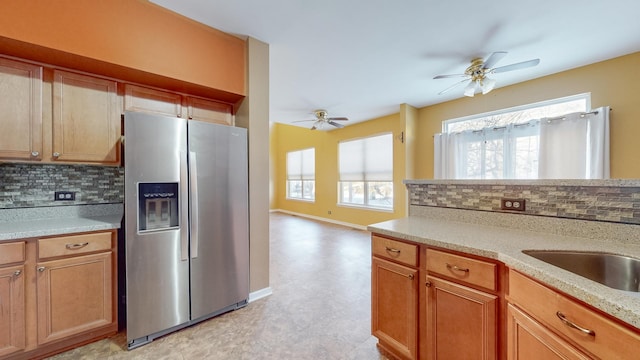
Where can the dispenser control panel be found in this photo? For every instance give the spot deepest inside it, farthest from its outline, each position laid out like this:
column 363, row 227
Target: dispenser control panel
column 158, row 206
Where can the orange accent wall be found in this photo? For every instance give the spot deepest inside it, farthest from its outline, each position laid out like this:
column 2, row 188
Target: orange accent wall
column 133, row 40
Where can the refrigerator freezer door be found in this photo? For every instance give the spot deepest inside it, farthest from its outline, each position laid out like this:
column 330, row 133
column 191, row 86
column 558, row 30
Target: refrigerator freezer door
column 157, row 261
column 220, row 239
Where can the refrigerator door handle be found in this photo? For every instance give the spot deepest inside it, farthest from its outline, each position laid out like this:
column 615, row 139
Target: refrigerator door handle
column 193, row 179
column 184, row 217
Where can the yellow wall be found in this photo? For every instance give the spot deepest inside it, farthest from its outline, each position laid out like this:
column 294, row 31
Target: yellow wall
column 287, row 138
column 614, row 82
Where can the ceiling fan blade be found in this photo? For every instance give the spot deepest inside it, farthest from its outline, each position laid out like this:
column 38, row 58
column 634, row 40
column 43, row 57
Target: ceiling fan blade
column 338, row 118
column 297, row 121
column 516, row 66
column 452, row 86
column 493, row 59
column 331, row 122
column 448, row 76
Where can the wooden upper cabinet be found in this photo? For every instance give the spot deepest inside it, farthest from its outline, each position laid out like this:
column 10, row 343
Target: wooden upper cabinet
column 138, row 98
column 21, row 109
column 86, row 119
column 210, row 111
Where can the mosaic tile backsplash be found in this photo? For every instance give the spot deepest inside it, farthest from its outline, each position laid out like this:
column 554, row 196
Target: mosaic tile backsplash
column 33, row 185
column 620, row 204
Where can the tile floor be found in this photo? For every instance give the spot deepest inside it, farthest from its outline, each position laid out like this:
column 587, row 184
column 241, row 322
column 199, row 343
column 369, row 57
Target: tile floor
column 319, row 309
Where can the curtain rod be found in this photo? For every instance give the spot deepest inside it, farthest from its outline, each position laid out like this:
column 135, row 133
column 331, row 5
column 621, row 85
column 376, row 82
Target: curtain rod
column 594, row 112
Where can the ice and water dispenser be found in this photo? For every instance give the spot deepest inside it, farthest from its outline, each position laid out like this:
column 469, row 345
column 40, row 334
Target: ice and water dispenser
column 158, row 206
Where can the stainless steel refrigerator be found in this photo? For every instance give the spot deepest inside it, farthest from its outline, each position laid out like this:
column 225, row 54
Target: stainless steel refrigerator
column 186, row 223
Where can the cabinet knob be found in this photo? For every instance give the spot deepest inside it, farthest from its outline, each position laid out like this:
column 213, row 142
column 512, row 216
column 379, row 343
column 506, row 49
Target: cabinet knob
column 410, row 276
column 56, row 154
column 17, row 273
column 35, row 154
column 41, row 269
column 427, row 284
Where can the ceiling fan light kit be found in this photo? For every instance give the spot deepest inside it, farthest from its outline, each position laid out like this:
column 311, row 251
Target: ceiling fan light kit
column 476, row 74
column 322, row 118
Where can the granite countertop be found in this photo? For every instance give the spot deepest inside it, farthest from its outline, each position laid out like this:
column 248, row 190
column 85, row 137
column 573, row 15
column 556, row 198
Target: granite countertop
column 506, row 244
column 26, row 223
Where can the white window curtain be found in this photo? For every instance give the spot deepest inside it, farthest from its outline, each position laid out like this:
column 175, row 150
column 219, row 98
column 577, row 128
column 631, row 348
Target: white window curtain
column 575, row 146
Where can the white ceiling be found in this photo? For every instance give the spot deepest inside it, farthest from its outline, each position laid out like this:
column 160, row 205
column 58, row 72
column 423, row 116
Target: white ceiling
column 363, row 58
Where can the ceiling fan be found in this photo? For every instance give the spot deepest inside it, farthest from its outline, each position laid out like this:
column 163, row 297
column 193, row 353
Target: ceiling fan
column 476, row 73
column 322, row 118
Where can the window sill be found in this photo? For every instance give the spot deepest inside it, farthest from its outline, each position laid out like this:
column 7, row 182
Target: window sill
column 363, row 207
column 302, row 200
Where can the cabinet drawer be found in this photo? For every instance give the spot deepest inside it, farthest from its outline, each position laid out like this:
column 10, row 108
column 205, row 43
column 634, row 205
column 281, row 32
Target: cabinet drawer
column 11, row 252
column 609, row 339
column 395, row 250
column 74, row 245
column 471, row 271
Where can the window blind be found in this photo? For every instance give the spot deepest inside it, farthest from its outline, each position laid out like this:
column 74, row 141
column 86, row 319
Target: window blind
column 301, row 165
column 368, row 159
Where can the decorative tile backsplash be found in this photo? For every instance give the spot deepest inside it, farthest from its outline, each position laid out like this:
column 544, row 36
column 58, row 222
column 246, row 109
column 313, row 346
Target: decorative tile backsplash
column 586, row 201
column 33, row 185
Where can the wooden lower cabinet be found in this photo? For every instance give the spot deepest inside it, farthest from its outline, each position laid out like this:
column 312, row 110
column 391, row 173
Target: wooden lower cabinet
column 12, row 315
column 581, row 328
column 394, row 308
column 74, row 296
column 462, row 322
column 530, row 340
column 56, row 293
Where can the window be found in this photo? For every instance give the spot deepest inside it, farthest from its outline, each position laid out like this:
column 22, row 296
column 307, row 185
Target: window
column 366, row 172
column 301, row 171
column 537, row 141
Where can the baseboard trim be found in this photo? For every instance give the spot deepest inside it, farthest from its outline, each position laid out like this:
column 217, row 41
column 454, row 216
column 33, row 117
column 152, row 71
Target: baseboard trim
column 355, row 226
column 259, row 294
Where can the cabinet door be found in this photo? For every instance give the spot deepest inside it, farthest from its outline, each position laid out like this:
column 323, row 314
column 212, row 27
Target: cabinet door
column 529, row 340
column 462, row 322
column 394, row 307
column 12, row 316
column 86, row 119
column 21, row 109
column 137, row 98
column 209, row 111
column 74, row 295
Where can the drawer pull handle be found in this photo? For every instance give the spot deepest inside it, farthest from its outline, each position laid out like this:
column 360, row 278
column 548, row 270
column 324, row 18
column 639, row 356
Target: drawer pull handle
column 392, row 250
column 76, row 246
column 574, row 326
column 17, row 273
column 456, row 268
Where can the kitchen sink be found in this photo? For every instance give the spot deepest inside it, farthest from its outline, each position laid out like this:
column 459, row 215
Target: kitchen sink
column 615, row 271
